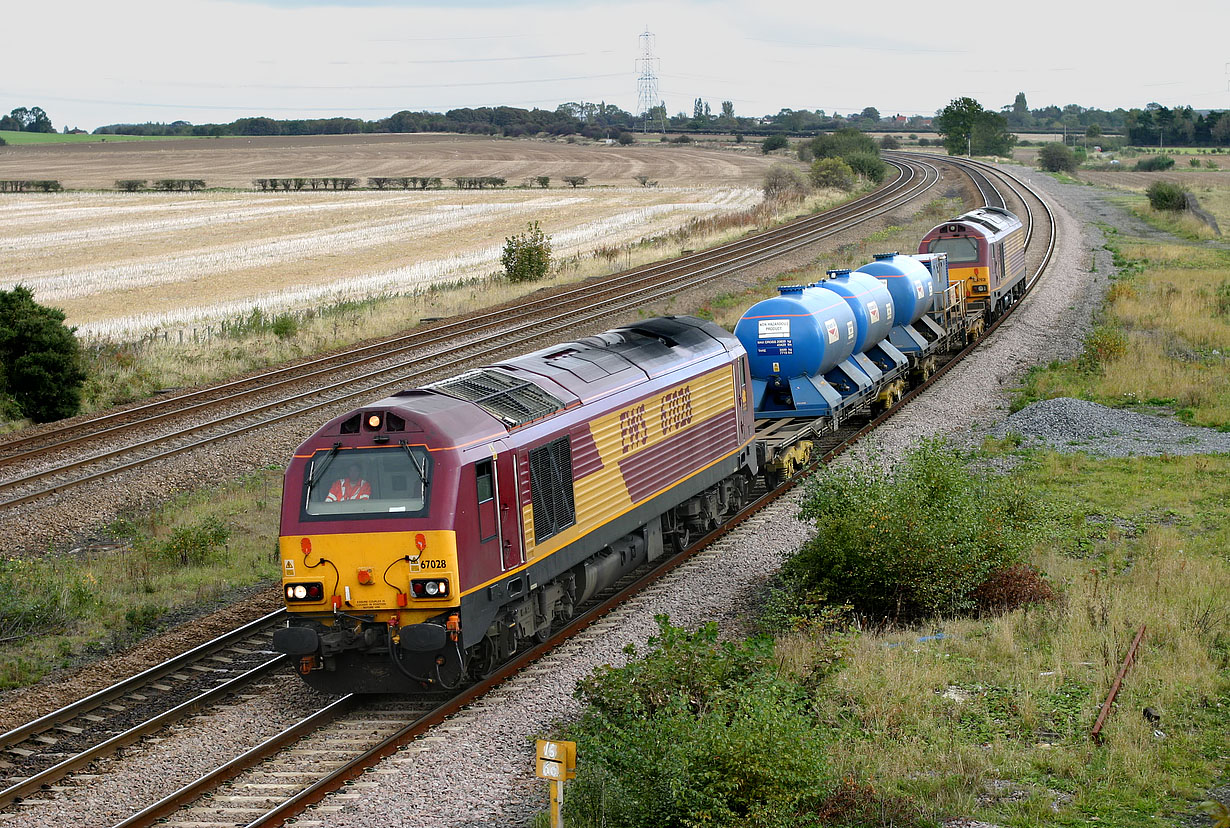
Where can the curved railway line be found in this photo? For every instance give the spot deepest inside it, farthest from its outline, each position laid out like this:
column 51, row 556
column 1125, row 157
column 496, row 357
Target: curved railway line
column 269, row 784
column 61, row 458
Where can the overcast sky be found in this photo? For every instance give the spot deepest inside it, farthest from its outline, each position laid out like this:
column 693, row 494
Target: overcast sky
column 112, row 61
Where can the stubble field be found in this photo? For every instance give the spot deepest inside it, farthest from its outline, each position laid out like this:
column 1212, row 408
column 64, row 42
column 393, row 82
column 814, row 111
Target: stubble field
column 120, row 264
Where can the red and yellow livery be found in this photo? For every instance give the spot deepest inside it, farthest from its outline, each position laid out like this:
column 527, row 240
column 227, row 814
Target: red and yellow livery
column 497, row 501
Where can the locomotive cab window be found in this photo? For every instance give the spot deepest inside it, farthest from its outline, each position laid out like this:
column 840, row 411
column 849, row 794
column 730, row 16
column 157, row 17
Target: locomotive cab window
column 485, row 484
column 383, row 482
column 960, row 251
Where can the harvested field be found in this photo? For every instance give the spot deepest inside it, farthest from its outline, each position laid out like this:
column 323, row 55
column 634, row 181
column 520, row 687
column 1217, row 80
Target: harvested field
column 123, row 263
column 1192, row 179
column 235, row 162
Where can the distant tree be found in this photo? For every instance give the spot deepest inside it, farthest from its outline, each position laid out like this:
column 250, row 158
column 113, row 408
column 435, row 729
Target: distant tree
column 784, row 181
column 527, row 256
column 626, row 138
column 832, row 172
column 575, row 181
column 967, row 127
column 41, row 358
column 646, row 181
column 39, row 122
column 1056, row 156
column 698, row 109
column 1093, row 131
column 131, row 185
column 8, row 123
column 682, row 138
column 1018, row 114
column 20, row 118
column 773, row 142
column 728, row 109
column 888, row 142
column 870, row 113
column 542, row 181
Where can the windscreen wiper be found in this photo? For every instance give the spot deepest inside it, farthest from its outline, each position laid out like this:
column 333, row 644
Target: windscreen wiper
column 420, row 468
column 324, row 464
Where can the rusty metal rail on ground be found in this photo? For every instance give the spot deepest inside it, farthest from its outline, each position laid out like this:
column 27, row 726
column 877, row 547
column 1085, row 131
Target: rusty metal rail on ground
column 1096, row 733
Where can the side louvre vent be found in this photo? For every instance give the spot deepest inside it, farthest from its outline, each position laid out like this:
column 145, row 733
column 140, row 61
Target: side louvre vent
column 551, row 489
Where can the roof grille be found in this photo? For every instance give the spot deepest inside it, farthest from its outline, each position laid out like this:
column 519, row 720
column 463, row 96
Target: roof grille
column 514, row 401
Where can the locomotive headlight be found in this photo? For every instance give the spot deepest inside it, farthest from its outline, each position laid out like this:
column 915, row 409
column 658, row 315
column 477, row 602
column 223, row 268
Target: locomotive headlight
column 373, row 421
column 300, row 592
column 429, row 588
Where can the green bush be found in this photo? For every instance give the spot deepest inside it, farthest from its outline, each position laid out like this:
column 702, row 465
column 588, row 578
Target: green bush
column 527, row 256
column 692, row 666
column 784, row 180
column 773, row 142
column 832, row 172
column 284, row 326
column 191, row 545
column 1056, row 157
column 911, row 541
column 40, row 358
column 1166, row 195
column 1154, row 163
column 843, row 143
column 699, row 732
column 626, row 138
column 868, row 165
column 1103, row 344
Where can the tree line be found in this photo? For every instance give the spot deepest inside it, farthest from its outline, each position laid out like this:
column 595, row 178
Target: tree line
column 1144, row 126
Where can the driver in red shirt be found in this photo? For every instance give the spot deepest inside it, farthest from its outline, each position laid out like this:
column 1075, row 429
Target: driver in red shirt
column 350, row 487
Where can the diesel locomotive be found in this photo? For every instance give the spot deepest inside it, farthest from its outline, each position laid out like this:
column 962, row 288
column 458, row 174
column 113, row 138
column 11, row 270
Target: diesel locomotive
column 432, row 534
column 429, row 535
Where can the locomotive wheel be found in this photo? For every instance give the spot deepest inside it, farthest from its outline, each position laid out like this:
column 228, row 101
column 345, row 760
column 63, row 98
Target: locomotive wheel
column 485, row 658
column 683, row 536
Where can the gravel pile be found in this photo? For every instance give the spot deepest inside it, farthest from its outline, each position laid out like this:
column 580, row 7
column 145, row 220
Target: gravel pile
column 1070, row 425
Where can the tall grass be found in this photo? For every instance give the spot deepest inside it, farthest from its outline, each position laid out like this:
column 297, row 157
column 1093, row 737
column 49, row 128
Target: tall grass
column 189, row 555
column 992, row 719
column 1164, row 337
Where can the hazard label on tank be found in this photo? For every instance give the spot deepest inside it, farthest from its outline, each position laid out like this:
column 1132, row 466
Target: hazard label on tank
column 918, row 288
column 831, row 326
column 850, row 329
column 774, row 328
column 873, row 310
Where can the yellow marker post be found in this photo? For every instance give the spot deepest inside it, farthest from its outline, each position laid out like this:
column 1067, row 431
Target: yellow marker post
column 557, row 761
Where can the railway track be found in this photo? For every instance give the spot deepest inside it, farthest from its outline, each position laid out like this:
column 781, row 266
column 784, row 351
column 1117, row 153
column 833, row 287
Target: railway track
column 57, row 460
column 45, row 750
column 268, row 794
